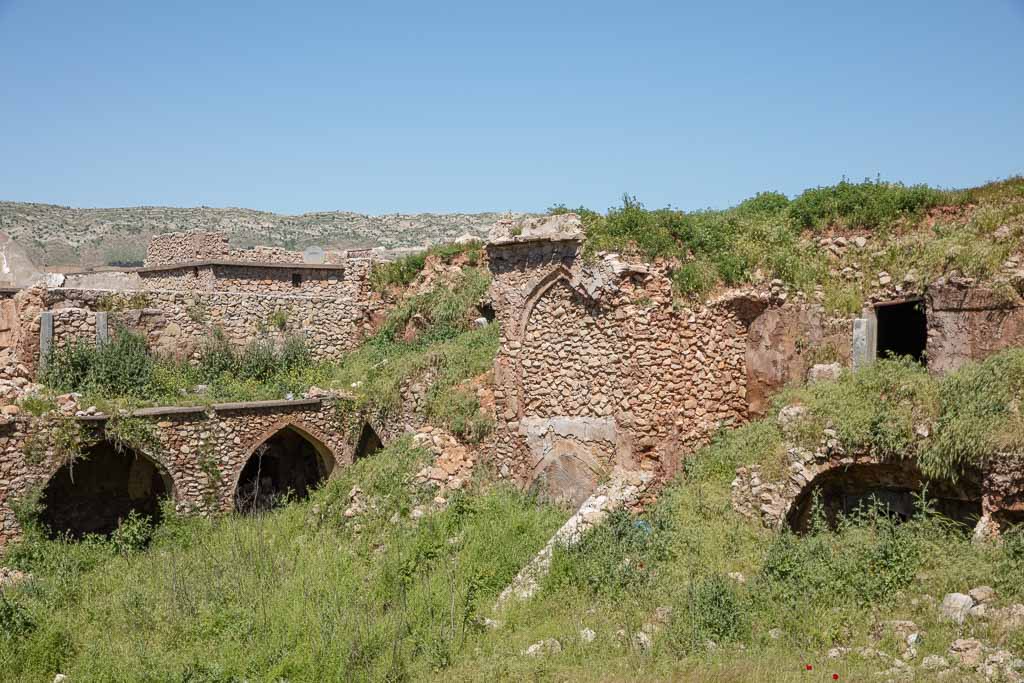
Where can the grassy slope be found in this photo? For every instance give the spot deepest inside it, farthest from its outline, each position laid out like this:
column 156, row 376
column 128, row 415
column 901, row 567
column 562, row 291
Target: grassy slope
column 301, row 594
column 771, row 236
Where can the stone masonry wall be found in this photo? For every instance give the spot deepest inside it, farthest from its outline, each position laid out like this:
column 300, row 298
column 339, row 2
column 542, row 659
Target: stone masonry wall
column 598, row 367
column 202, row 451
column 967, row 322
column 350, row 281
column 181, row 322
column 184, row 247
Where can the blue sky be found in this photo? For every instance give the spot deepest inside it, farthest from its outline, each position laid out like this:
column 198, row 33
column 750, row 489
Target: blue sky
column 384, row 107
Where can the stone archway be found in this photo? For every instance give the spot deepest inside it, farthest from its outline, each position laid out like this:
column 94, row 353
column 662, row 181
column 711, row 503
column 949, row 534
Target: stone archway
column 286, row 465
column 96, row 493
column 895, row 486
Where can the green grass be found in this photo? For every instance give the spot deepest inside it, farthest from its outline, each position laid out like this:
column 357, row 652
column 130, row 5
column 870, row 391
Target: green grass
column 771, row 236
column 968, row 415
column 306, row 594
column 401, row 272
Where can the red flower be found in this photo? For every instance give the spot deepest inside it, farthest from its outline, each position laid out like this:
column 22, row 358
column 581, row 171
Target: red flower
column 809, row 667
column 835, row 677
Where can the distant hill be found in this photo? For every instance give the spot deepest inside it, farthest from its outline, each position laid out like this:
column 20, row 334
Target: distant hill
column 60, row 235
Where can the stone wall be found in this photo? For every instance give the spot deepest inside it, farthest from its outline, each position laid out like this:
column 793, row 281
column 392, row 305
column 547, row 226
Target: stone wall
column 182, row 247
column 185, row 247
column 202, row 451
column 351, row 280
column 599, row 366
column 71, row 325
column 785, row 342
column 180, row 322
column 968, row 322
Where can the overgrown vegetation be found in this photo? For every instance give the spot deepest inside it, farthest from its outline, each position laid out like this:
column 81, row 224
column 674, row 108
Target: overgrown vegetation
column 428, row 340
column 401, row 272
column 897, row 409
column 770, row 236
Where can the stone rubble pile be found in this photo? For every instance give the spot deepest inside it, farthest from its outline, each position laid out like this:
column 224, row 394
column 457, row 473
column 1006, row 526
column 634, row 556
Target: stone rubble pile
column 453, row 461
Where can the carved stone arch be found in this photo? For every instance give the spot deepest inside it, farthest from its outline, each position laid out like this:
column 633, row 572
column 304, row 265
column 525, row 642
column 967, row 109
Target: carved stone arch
column 559, row 274
column 326, row 460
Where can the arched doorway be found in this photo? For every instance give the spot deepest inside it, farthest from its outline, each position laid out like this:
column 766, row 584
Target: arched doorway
column 287, row 466
column 369, row 442
column 895, row 486
column 96, row 493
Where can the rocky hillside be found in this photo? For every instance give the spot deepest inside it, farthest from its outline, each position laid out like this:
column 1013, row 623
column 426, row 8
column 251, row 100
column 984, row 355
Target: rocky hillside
column 60, row 235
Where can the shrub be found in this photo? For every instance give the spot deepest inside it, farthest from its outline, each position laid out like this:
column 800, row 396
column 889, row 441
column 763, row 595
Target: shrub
column 713, row 611
column 133, row 534
column 119, row 367
column 869, row 204
column 612, row 558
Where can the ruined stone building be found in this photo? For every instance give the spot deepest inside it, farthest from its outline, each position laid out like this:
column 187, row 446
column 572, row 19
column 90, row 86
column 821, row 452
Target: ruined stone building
column 599, row 367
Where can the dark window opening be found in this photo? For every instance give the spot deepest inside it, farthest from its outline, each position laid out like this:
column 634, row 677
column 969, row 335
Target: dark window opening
column 895, row 492
column 902, row 330
column 296, row 280
column 369, row 442
column 487, row 312
column 285, row 467
column 96, row 493
column 195, row 272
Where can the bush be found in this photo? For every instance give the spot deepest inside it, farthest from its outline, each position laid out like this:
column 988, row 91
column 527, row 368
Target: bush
column 713, row 611
column 612, row 558
column 119, row 367
column 870, row 204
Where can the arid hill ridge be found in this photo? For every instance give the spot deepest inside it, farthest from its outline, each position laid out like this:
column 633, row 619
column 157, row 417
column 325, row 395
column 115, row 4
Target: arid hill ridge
column 61, row 235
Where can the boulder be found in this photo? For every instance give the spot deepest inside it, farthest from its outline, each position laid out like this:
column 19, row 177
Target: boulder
column 956, row 606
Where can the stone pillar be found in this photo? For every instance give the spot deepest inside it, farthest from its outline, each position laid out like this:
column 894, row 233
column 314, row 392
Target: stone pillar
column 865, row 341
column 45, row 336
column 102, row 331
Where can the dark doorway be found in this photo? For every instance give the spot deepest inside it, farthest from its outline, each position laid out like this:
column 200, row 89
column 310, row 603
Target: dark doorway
column 285, row 467
column 369, row 442
column 487, row 312
column 95, row 494
column 902, row 330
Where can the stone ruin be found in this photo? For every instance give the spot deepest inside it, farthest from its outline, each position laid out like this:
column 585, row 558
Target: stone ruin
column 600, row 369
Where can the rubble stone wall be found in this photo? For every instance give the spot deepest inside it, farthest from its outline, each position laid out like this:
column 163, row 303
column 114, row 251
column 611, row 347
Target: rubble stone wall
column 180, row 322
column 184, row 247
column 352, row 281
column 599, row 366
column 73, row 324
column 203, row 452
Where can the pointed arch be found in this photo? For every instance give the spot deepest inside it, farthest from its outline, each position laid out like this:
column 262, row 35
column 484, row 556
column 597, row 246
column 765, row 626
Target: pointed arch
column 559, row 274
column 288, row 459
column 96, row 493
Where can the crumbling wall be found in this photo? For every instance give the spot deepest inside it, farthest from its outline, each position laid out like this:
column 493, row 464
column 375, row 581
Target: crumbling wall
column 202, row 450
column 968, row 322
column 599, row 366
column 785, row 342
column 181, row 322
column 352, row 280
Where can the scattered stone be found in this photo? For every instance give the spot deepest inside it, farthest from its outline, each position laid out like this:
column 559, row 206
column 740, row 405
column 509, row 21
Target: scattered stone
column 12, row 577
column 934, row 663
column 737, row 577
column 967, row 651
column 643, row 641
column 542, row 648
column 775, row 633
column 982, row 594
column 588, row 635
column 956, row 606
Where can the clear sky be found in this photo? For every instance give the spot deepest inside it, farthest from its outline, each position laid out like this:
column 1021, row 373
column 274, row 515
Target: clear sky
column 385, row 107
